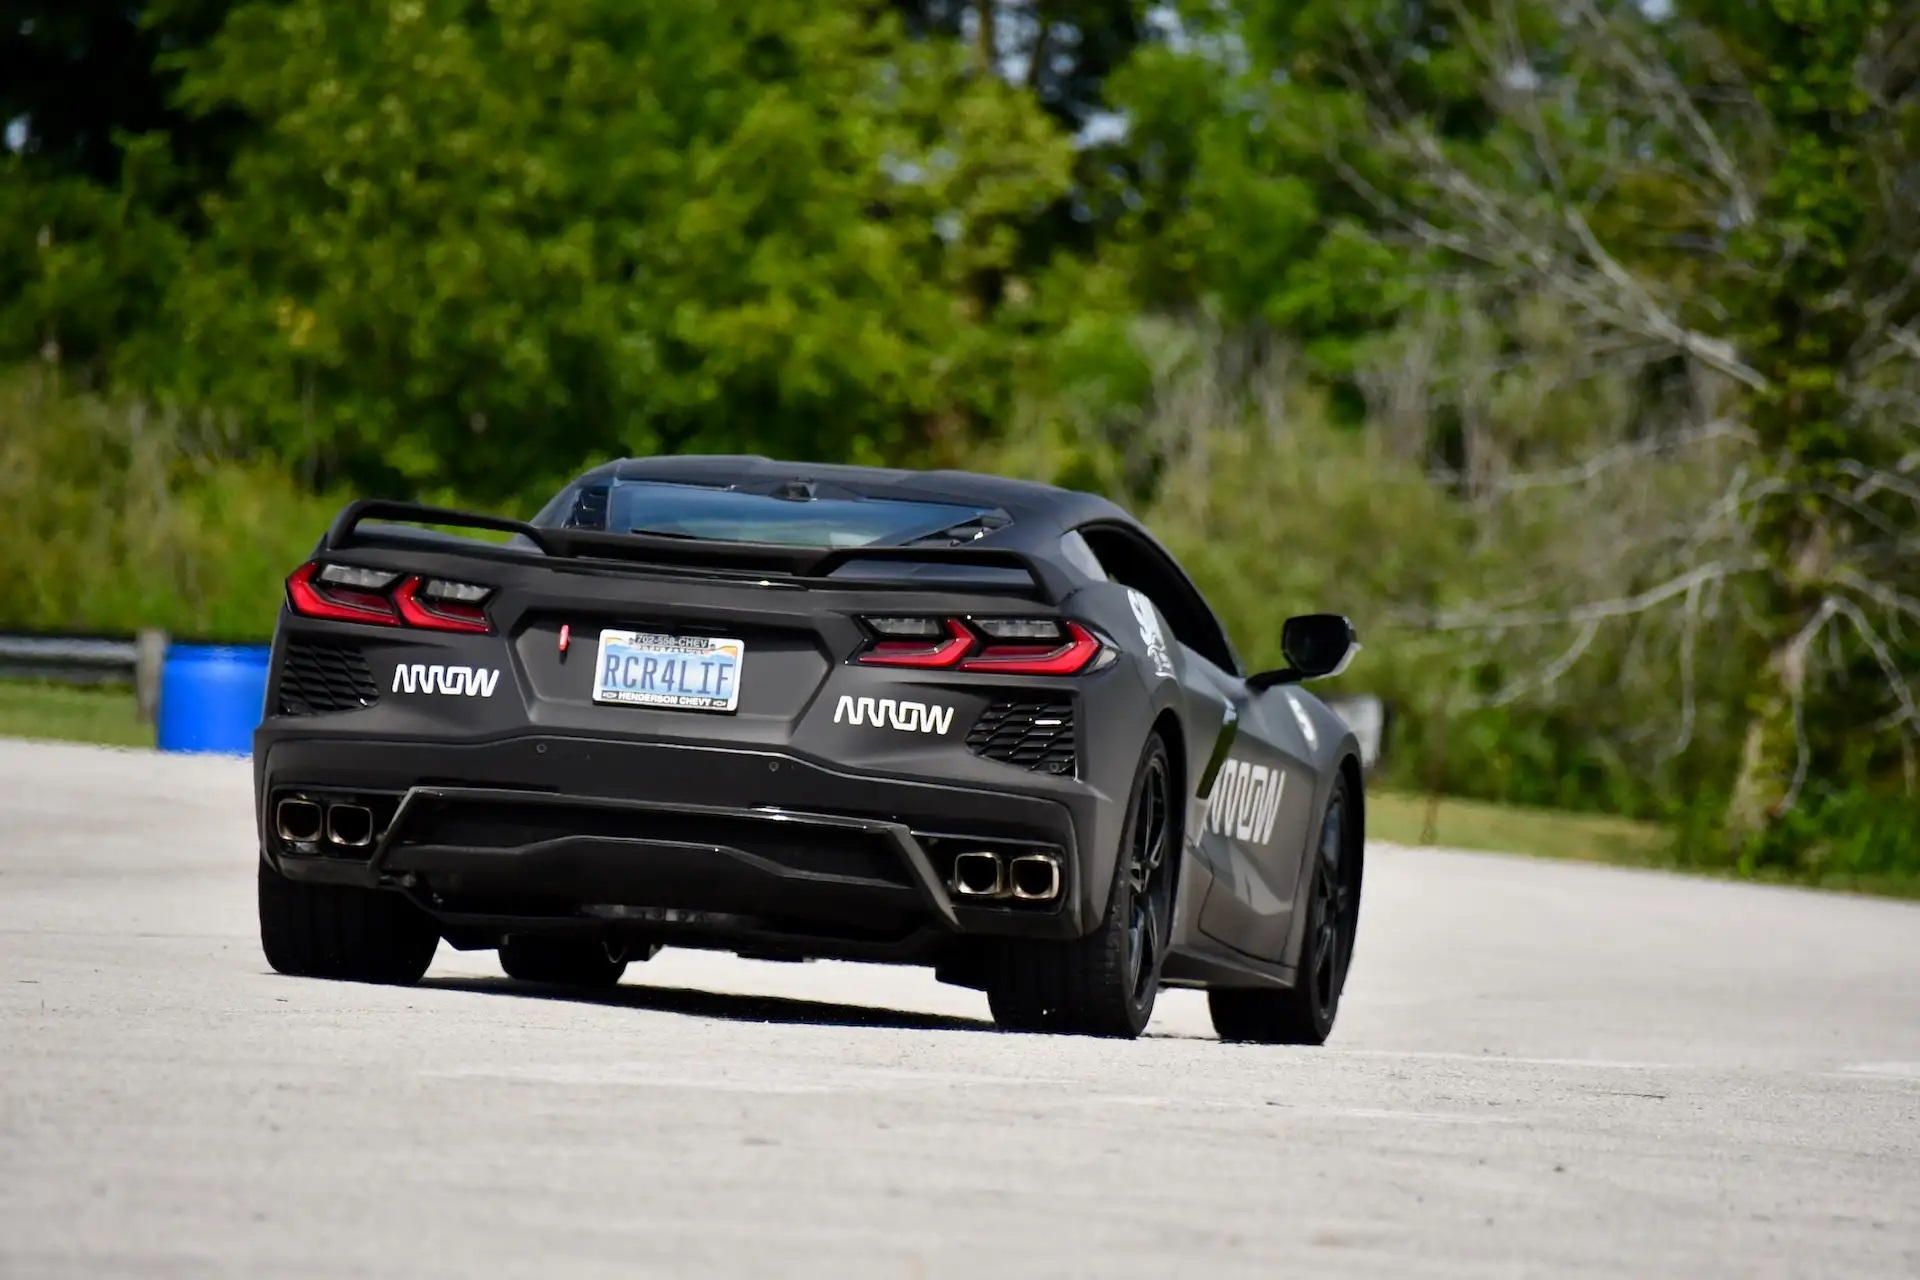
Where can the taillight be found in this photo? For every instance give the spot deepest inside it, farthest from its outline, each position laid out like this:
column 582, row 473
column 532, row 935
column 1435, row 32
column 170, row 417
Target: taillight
column 442, row 606
column 904, row 643
column 344, row 593
column 1070, row 653
column 1005, row 646
column 341, row 593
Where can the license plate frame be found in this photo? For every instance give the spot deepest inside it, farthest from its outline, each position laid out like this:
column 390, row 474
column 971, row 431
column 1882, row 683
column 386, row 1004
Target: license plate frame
column 662, row 670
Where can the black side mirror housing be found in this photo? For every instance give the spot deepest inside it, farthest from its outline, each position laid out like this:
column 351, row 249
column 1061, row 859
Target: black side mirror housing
column 1316, row 645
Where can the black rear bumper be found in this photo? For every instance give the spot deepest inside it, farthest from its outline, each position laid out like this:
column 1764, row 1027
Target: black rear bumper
column 692, row 845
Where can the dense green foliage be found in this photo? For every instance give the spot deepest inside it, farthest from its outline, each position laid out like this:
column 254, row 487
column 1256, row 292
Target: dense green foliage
column 1573, row 351
column 472, row 253
column 115, row 517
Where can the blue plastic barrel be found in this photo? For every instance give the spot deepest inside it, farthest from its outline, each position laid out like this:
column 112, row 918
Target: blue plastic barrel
column 211, row 697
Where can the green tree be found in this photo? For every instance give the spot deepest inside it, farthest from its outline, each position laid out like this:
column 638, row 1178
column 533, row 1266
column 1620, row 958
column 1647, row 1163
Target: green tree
column 80, row 80
column 1822, row 278
column 475, row 246
column 1727, row 188
column 1061, row 51
column 101, row 174
column 1245, row 186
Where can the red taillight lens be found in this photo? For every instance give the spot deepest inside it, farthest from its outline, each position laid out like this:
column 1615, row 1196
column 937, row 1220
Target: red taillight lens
column 1016, row 647
column 341, row 593
column 436, row 606
column 934, row 653
column 1064, row 659
column 314, row 598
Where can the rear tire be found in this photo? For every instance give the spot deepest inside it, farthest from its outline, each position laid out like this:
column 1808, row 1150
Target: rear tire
column 564, row 962
column 343, row 932
column 1305, row 1013
column 1105, row 983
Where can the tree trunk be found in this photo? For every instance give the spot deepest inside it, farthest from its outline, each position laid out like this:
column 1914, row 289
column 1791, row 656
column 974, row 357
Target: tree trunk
column 1764, row 788
column 989, row 50
column 1774, row 753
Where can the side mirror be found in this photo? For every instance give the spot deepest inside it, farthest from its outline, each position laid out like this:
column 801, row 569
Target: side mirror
column 1316, row 645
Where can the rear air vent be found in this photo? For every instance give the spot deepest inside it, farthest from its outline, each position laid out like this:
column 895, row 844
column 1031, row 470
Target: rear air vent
column 589, row 508
column 1034, row 733
column 318, row 678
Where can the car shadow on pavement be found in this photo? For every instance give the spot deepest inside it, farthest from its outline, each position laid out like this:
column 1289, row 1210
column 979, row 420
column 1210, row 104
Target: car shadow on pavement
column 715, row 1004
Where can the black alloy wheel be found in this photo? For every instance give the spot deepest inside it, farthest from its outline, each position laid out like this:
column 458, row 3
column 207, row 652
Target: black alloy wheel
column 1104, row 984
column 1305, row 1013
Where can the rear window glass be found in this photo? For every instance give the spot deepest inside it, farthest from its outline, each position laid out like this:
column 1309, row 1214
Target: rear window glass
column 726, row 515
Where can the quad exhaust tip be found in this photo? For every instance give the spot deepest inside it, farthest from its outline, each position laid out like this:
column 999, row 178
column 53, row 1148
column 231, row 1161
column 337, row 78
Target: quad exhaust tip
column 979, row 875
column 350, row 825
column 1027, row 877
column 1034, row 877
column 297, row 821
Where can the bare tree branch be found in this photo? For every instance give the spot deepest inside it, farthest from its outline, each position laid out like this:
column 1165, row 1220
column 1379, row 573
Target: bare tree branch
column 1672, row 101
column 1796, row 682
column 1607, row 459
column 1689, row 636
column 1547, row 676
column 1472, row 620
column 1882, row 655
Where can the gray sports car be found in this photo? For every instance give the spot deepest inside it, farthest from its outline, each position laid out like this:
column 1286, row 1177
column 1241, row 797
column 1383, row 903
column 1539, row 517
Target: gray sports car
column 797, row 711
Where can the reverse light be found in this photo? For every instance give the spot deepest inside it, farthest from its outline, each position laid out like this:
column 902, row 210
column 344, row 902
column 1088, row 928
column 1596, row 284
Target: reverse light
column 1019, row 628
column 340, row 593
column 460, row 592
column 356, row 579
column 907, row 627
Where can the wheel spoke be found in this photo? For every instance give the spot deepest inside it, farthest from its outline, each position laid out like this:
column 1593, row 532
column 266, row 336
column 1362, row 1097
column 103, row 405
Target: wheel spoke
column 1136, row 944
column 1339, row 959
column 1323, row 962
column 1148, row 849
column 1146, row 943
column 1332, row 837
column 1145, row 858
column 1142, row 944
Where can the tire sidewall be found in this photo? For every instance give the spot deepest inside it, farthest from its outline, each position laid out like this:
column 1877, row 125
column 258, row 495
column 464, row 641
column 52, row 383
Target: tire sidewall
column 1324, row 1018
column 1120, row 896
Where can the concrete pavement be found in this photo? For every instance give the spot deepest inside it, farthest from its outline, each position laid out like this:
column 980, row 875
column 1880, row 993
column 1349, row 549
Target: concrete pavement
column 1541, row 1069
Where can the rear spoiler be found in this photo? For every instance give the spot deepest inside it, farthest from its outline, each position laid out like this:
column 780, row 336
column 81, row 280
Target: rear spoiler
column 925, row 568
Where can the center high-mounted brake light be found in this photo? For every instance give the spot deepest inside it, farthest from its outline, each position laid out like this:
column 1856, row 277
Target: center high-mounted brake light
column 345, row 593
column 1005, row 646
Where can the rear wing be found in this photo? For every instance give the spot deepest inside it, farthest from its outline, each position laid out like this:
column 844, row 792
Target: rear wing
column 990, row 569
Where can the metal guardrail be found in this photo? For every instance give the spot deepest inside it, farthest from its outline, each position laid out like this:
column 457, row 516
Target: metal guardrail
column 74, row 659
column 90, row 660
column 136, row 660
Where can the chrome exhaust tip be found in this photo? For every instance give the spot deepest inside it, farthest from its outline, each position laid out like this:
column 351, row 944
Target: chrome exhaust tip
column 1034, row 877
column 977, row 874
column 297, row 821
column 350, row 825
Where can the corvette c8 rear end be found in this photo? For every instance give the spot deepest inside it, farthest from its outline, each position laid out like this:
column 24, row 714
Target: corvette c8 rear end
column 797, row 711
column 668, row 749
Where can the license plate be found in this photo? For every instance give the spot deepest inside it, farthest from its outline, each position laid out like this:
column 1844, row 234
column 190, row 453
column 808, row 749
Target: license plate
column 690, row 673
